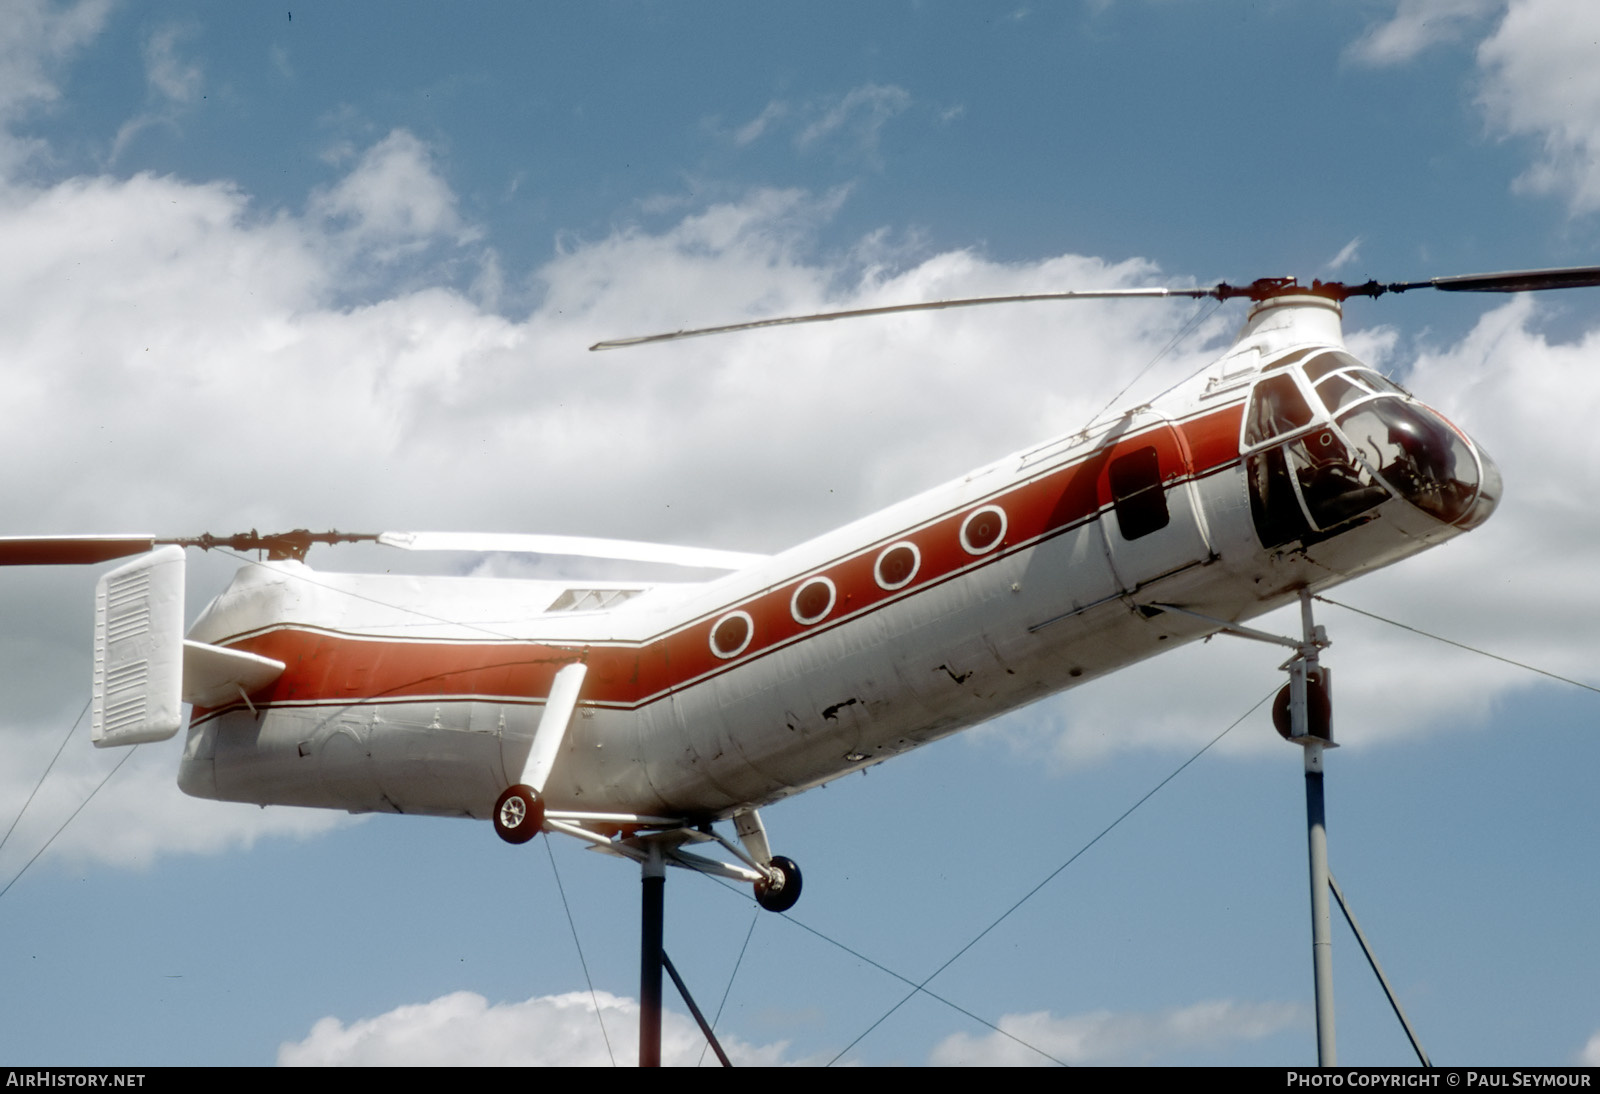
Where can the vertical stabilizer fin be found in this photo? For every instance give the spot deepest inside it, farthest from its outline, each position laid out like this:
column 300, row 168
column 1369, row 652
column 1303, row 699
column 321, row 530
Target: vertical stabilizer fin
column 138, row 651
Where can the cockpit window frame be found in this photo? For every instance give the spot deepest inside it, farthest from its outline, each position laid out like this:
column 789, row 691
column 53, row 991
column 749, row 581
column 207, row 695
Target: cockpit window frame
column 1284, row 467
column 1289, row 358
column 1257, row 428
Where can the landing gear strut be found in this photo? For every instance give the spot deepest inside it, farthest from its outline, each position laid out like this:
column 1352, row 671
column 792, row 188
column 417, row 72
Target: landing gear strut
column 519, row 812
column 656, row 843
column 777, row 889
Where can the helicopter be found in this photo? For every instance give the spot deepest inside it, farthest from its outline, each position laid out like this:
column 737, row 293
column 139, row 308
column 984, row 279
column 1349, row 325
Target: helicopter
column 638, row 716
column 629, row 714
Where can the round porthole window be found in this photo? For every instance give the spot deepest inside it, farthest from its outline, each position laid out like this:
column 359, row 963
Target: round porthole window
column 813, row 600
column 897, row 565
column 983, row 530
column 731, row 634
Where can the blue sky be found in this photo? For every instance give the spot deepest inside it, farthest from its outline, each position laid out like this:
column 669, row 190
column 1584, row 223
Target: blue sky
column 340, row 269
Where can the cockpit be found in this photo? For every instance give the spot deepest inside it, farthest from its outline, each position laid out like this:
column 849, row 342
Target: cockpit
column 1327, row 440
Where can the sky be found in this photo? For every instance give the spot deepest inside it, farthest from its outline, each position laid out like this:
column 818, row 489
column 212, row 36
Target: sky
column 276, row 268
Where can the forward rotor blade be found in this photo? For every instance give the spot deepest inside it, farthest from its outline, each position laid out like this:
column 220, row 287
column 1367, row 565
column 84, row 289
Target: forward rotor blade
column 1573, row 277
column 70, row 550
column 571, row 546
column 893, row 309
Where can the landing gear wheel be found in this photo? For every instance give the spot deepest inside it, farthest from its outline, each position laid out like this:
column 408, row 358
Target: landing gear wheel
column 781, row 893
column 519, row 814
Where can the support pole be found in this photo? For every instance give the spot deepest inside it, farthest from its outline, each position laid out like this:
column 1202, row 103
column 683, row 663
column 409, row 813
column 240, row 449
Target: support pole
column 1321, row 913
column 650, row 957
column 700, row 1018
column 1301, row 667
column 1292, row 715
column 1377, row 970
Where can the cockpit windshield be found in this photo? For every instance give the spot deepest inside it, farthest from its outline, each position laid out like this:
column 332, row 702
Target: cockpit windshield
column 1313, row 466
column 1417, row 454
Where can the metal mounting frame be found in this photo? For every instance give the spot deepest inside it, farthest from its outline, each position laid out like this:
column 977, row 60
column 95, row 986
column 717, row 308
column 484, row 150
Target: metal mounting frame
column 656, row 843
column 659, row 835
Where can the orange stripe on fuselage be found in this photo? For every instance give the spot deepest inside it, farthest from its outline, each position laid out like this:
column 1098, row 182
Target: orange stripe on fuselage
column 329, row 668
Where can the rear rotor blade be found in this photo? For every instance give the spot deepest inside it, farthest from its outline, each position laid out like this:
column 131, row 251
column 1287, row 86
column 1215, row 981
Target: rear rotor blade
column 88, row 549
column 70, row 550
column 571, row 546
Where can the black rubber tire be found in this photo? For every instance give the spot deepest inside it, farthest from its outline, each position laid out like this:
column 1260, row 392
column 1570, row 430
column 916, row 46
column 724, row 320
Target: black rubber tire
column 782, row 895
column 518, row 814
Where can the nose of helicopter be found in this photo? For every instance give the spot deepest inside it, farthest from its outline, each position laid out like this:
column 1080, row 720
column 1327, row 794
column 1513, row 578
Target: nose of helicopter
column 1453, row 477
column 1424, row 459
column 1489, row 487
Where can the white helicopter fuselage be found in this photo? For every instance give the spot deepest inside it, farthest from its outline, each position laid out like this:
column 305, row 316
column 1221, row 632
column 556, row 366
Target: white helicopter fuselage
column 1287, row 466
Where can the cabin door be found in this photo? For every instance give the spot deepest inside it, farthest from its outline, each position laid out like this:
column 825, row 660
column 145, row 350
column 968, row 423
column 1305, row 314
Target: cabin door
column 1150, row 516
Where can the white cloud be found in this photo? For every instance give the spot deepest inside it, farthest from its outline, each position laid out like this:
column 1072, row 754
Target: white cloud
column 1417, row 25
column 1541, row 81
column 1347, row 254
column 219, row 380
column 170, row 75
column 393, row 202
column 1590, row 1056
column 464, row 1030
column 1102, row 1037
column 850, row 125
column 36, row 37
column 861, row 115
column 174, row 85
column 139, row 815
column 177, row 362
column 751, row 131
column 148, row 300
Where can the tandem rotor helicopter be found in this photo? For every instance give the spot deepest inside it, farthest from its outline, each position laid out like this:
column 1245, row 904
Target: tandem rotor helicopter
column 638, row 717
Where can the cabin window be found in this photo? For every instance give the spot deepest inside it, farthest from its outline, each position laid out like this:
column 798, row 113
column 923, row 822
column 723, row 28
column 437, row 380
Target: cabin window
column 1335, row 486
column 1136, row 493
column 982, row 531
column 1287, row 359
column 1337, row 392
column 1315, row 474
column 731, row 634
column 897, row 565
column 812, row 601
column 1275, row 407
column 1324, row 363
column 1379, row 383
